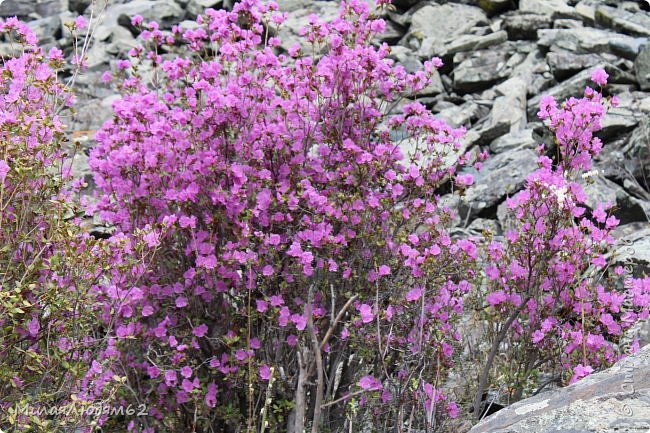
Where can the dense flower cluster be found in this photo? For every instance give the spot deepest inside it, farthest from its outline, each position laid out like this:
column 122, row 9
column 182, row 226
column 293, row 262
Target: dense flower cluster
column 548, row 290
column 47, row 263
column 285, row 203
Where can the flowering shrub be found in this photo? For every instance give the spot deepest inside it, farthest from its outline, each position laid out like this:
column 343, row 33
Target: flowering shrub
column 281, row 262
column 47, row 263
column 549, row 296
column 304, row 275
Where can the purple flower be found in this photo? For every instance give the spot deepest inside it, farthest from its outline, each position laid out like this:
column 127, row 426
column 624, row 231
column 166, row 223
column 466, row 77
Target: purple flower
column 369, row 383
column 4, row 169
column 33, row 327
column 265, row 372
column 170, row 378
column 366, row 313
column 200, row 330
column 599, row 76
column 414, row 294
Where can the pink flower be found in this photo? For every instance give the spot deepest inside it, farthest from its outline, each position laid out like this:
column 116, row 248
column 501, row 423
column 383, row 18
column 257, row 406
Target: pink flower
column 276, row 300
column 599, row 76
column 211, row 395
column 370, row 383
column 384, row 270
column 200, row 330
column 33, row 327
column 464, row 179
column 4, row 169
column 80, row 22
column 268, row 270
column 537, row 336
column 186, row 372
column 414, row 294
column 153, row 371
column 187, row 385
column 265, row 372
column 136, row 20
column 147, row 310
column 366, row 313
column 181, row 302
column 496, row 298
column 292, row 340
column 580, row 371
column 299, row 320
column 261, row 305
column 170, row 378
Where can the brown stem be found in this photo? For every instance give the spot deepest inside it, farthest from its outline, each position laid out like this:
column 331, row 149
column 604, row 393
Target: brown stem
column 493, row 352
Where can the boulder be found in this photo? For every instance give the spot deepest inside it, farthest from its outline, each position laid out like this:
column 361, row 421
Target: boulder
column 494, row 7
column 564, row 64
column 502, row 175
column 298, row 17
column 551, row 8
column 517, row 139
column 616, row 399
column 197, row 7
column 525, row 25
column 642, row 67
column 633, row 23
column 579, row 40
column 510, row 106
column 23, row 8
column 473, row 42
column 479, row 70
column 432, row 24
column 634, row 248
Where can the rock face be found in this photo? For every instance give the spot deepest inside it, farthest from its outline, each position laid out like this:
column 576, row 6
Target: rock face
column 615, row 400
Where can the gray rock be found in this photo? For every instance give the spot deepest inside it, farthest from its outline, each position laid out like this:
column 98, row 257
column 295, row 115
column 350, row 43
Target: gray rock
column 79, row 6
column 600, row 190
column 552, row 8
column 197, row 7
column 517, row 139
column 634, row 23
column 471, row 42
column 47, row 29
column 432, row 24
column 628, row 156
column 501, row 175
column 580, row 40
column 91, row 115
column 166, row 12
column 620, row 119
column 524, row 26
column 617, row 399
column 634, row 249
column 23, row 8
column 494, row 7
column 564, row 64
column 642, row 67
column 626, row 47
column 586, row 9
column 510, row 106
column 481, row 69
column 567, row 24
column 460, row 115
